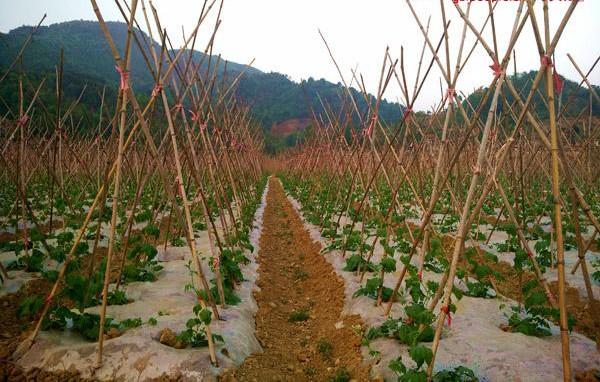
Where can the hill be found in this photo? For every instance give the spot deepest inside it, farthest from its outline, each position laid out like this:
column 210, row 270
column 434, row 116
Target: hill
column 275, row 100
column 573, row 99
column 273, row 97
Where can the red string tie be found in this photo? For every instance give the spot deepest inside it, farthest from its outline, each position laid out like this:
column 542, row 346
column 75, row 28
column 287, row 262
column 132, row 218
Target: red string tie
column 48, row 299
column 156, row 90
column 450, row 94
column 177, row 107
column 23, row 120
column 406, row 113
column 369, row 131
column 558, row 82
column 420, row 275
column 446, row 310
column 545, row 61
column 497, row 68
column 195, row 116
column 61, row 132
column 217, row 262
column 202, row 126
column 124, row 80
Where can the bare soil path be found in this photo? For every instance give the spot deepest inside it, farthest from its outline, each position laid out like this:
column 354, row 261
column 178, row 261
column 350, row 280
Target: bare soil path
column 299, row 321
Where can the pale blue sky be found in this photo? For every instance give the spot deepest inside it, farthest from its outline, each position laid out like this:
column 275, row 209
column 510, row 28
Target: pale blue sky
column 282, row 35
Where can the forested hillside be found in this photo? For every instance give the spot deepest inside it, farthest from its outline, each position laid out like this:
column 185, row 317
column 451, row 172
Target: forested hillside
column 273, row 97
column 87, row 61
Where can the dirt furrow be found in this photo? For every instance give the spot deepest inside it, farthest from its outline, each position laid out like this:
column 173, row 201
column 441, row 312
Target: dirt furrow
column 299, row 322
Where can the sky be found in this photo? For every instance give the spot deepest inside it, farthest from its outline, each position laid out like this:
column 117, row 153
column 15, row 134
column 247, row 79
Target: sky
column 283, row 36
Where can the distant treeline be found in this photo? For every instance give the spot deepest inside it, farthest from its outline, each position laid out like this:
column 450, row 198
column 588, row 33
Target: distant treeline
column 273, row 97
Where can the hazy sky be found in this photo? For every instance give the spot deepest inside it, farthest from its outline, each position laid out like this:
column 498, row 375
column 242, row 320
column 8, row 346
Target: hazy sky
column 283, row 35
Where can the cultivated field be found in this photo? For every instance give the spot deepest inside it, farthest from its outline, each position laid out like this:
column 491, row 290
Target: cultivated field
column 163, row 243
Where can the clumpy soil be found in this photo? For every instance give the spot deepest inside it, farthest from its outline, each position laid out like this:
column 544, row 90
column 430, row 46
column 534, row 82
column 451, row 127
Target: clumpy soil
column 585, row 312
column 299, row 322
column 15, row 329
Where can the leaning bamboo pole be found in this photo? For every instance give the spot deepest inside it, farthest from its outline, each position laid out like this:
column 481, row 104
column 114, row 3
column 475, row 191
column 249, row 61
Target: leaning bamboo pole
column 564, row 330
column 462, row 228
column 123, row 70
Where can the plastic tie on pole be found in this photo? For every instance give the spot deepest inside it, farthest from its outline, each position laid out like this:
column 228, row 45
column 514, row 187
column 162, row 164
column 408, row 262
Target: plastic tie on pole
column 446, row 310
column 546, row 61
column 195, row 116
column 156, row 90
column 558, row 82
column 369, row 130
column 450, row 94
column 177, row 107
column 497, row 68
column 124, row 78
column 407, row 113
column 22, row 121
column 61, row 132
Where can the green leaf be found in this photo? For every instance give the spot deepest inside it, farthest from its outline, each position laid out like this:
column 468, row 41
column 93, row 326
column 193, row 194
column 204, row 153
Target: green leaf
column 29, row 306
column 205, row 316
column 414, row 376
column 388, row 264
column 420, row 354
column 397, row 366
column 535, row 299
column 192, row 322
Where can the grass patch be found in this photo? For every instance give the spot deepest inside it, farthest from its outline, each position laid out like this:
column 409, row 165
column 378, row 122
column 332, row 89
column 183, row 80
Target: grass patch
column 341, row 375
column 324, row 347
column 300, row 274
column 299, row 315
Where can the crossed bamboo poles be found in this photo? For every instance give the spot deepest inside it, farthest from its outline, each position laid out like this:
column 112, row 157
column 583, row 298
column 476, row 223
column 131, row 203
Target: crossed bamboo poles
column 358, row 172
column 366, row 161
column 229, row 150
